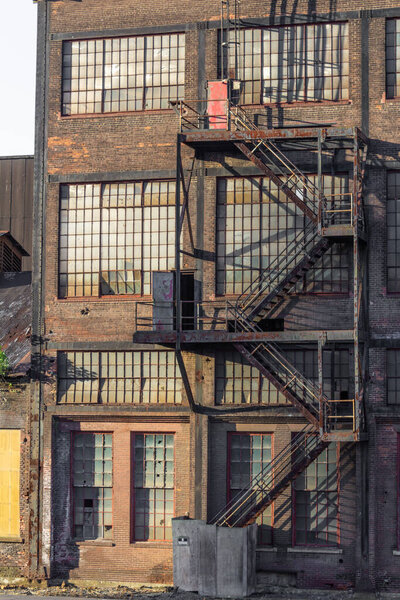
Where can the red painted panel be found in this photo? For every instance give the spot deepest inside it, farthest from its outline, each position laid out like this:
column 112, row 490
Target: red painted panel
column 217, row 104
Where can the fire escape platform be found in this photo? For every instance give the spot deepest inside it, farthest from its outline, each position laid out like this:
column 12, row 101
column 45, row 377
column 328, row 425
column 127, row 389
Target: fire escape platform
column 343, row 232
column 198, row 137
column 228, row 337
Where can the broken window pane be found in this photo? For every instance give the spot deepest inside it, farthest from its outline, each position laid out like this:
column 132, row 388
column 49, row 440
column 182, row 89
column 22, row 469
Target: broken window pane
column 153, row 486
column 108, row 247
column 92, row 485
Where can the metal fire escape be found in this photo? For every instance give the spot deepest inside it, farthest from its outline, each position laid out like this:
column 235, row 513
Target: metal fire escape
column 330, row 220
column 220, row 124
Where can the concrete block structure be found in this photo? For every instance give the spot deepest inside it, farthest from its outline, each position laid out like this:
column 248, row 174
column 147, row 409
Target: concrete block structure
column 216, row 286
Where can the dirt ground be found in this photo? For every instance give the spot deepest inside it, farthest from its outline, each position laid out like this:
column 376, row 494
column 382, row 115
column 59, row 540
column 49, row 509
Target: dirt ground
column 107, row 591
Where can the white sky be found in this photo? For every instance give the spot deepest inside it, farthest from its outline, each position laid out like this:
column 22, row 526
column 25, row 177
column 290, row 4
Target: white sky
column 17, row 76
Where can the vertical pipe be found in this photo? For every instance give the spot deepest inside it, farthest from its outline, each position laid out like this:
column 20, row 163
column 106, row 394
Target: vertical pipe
column 322, row 426
column 356, row 283
column 320, row 213
column 178, row 244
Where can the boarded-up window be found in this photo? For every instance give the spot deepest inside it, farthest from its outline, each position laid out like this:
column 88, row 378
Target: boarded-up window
column 299, row 63
column 92, row 485
column 123, row 74
column 112, row 237
column 249, row 454
column 255, row 224
column 316, row 500
column 119, row 377
column 153, row 486
column 10, row 449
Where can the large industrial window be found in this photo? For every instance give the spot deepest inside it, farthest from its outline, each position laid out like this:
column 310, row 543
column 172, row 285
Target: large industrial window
column 112, row 236
column 249, row 454
column 393, row 58
column 123, row 74
column 393, row 231
column 316, row 500
column 237, row 382
column 393, row 376
column 119, row 377
column 255, row 223
column 92, row 485
column 10, row 451
column 153, row 486
column 299, row 63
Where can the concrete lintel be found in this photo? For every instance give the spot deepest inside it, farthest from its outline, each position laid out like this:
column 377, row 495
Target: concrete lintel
column 222, row 336
column 316, row 550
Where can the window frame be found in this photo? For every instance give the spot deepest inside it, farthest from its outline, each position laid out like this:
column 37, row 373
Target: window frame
column 99, row 379
column 75, row 539
column 386, row 96
column 132, row 494
column 103, row 39
column 388, row 173
column 338, row 521
column 229, row 495
column 397, row 351
column 286, row 103
column 305, row 283
column 113, row 297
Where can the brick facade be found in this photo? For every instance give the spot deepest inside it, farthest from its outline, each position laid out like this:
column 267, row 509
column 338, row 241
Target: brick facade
column 142, row 146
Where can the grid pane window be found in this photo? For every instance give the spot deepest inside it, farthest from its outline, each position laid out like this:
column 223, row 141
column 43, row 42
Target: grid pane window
column 119, row 377
column 316, row 500
column 123, row 74
column 92, row 485
column 249, row 454
column 393, row 376
column 393, row 58
column 300, row 63
column 112, row 236
column 255, row 223
column 153, row 493
column 238, row 382
column 393, row 232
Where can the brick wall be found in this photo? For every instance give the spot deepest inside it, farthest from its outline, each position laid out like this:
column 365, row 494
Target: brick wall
column 98, row 148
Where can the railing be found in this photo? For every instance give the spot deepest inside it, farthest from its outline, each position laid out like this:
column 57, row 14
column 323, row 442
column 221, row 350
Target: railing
column 337, row 418
column 194, row 316
column 286, row 461
column 268, row 355
column 279, row 268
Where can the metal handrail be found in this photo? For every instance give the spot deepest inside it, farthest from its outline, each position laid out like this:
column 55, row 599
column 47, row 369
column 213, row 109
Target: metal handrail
column 284, row 462
column 267, row 279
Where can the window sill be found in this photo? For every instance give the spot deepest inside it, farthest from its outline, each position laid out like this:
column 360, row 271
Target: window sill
column 298, row 103
column 266, row 549
column 116, row 114
column 396, row 552
column 151, row 544
column 12, row 540
column 107, row 543
column 114, row 298
column 315, row 550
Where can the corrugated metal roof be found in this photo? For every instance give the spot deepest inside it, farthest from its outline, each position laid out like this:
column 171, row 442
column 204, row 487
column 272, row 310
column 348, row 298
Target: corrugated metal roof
column 16, row 319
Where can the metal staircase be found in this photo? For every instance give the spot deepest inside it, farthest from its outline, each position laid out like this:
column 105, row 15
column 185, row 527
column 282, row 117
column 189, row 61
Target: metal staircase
column 265, row 487
column 267, row 290
column 331, row 217
column 257, row 302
